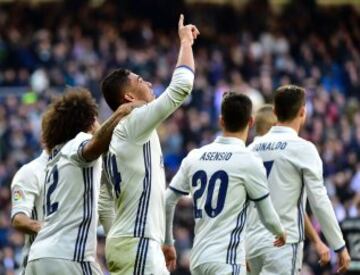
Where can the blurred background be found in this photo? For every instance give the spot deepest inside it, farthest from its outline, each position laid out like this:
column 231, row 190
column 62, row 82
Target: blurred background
column 247, row 46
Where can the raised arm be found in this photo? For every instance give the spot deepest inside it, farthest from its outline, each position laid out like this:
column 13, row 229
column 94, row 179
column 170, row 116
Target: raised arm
column 141, row 123
column 100, row 141
column 187, row 34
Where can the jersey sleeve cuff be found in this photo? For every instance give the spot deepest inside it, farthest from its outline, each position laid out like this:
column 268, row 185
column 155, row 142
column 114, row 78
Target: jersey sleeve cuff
column 185, row 67
column 260, row 198
column 169, row 242
column 19, row 210
column 340, row 249
column 178, row 191
column 80, row 151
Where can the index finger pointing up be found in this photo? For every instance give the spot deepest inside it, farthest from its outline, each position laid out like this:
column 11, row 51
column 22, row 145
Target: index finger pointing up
column 181, row 21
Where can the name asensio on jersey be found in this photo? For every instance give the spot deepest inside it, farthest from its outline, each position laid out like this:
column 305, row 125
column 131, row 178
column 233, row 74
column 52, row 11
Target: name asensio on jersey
column 216, row 156
column 270, row 146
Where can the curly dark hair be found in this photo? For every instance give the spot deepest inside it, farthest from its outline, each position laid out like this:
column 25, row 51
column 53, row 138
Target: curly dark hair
column 73, row 112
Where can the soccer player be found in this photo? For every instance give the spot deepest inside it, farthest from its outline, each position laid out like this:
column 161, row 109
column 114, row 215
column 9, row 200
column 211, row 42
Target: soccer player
column 27, row 200
column 264, row 120
column 294, row 171
column 66, row 244
column 222, row 177
column 135, row 163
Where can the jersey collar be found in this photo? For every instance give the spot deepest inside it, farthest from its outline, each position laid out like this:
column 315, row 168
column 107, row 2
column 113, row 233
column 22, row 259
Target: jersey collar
column 44, row 156
column 229, row 140
column 282, row 130
column 55, row 151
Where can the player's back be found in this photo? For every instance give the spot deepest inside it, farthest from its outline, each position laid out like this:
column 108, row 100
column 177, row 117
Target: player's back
column 217, row 175
column 27, row 194
column 285, row 156
column 70, row 198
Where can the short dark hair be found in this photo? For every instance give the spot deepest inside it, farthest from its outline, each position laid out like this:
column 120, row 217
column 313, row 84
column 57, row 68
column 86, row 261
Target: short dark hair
column 288, row 101
column 112, row 87
column 236, row 111
column 71, row 113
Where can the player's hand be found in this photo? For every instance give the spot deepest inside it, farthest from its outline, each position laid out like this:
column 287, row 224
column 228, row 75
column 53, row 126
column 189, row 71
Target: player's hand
column 170, row 256
column 323, row 251
column 280, row 240
column 343, row 259
column 36, row 226
column 187, row 33
column 126, row 108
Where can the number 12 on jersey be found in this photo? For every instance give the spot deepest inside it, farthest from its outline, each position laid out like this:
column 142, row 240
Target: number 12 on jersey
column 201, row 178
column 51, row 183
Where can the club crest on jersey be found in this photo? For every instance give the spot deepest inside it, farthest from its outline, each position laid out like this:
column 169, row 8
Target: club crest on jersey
column 18, row 196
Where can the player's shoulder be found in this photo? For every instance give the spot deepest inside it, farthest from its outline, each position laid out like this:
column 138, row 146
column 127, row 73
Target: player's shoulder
column 125, row 125
column 74, row 143
column 33, row 166
column 193, row 154
column 130, row 119
column 26, row 174
column 26, row 170
column 80, row 137
column 305, row 146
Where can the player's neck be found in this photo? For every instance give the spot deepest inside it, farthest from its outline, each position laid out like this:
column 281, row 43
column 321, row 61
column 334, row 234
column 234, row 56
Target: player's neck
column 239, row 135
column 295, row 124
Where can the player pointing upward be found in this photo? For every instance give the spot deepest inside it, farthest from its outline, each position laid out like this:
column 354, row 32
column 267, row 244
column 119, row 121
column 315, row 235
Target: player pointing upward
column 134, row 163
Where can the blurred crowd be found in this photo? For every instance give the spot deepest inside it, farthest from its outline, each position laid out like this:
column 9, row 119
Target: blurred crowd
column 45, row 48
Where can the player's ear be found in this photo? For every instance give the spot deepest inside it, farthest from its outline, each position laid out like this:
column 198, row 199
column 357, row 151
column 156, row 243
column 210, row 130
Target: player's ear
column 251, row 122
column 302, row 112
column 129, row 97
column 221, row 122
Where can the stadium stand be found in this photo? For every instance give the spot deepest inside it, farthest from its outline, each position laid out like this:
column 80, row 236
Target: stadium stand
column 43, row 48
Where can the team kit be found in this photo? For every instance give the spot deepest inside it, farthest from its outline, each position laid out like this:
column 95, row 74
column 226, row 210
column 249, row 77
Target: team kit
column 249, row 201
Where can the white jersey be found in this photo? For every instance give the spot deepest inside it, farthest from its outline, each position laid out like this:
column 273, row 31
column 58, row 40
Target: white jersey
column 70, row 205
column 134, row 164
column 295, row 174
column 222, row 177
column 27, row 195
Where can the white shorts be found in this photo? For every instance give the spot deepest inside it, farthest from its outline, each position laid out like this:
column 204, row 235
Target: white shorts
column 285, row 260
column 138, row 256
column 218, row 269
column 54, row 266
